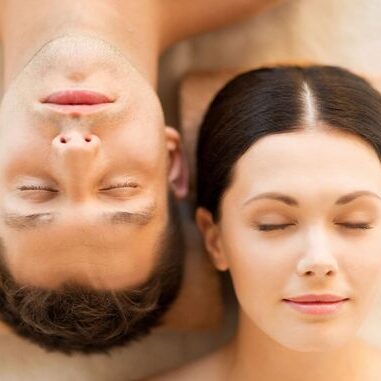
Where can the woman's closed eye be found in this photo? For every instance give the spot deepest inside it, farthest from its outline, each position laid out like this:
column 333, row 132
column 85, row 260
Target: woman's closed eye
column 272, row 227
column 354, row 225
column 345, row 225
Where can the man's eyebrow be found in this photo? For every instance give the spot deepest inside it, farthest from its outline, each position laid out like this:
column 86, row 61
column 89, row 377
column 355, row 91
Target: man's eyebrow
column 29, row 221
column 36, row 220
column 352, row 196
column 273, row 196
column 142, row 217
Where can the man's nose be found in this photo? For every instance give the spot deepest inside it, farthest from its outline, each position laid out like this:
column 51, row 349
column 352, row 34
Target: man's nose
column 76, row 156
column 76, row 143
column 318, row 258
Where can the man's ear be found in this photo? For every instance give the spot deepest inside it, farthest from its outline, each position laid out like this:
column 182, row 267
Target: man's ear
column 211, row 234
column 178, row 173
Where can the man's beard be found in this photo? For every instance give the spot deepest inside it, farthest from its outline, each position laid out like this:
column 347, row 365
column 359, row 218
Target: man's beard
column 75, row 318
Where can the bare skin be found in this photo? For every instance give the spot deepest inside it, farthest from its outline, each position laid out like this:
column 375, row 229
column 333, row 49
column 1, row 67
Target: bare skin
column 273, row 341
column 219, row 367
column 111, row 47
column 141, row 29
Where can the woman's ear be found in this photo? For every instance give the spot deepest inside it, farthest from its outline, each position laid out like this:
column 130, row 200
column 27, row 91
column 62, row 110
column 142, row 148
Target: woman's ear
column 178, row 174
column 211, row 234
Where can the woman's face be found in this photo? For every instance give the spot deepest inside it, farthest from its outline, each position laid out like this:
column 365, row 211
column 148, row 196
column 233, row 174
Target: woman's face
column 300, row 232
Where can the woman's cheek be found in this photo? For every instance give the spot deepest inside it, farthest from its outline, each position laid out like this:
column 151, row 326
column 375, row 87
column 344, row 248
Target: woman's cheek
column 362, row 267
column 260, row 270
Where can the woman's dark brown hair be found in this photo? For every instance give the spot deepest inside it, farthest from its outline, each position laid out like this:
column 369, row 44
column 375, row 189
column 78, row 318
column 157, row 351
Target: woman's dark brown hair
column 278, row 100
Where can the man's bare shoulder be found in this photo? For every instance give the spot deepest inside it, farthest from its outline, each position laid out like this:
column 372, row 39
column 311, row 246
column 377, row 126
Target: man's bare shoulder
column 193, row 17
column 211, row 368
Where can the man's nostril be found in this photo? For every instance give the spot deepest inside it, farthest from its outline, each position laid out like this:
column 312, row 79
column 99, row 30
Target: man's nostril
column 75, row 140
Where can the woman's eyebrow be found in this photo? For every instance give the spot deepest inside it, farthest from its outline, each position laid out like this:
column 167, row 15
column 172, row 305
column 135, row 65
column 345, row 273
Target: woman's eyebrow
column 352, row 196
column 292, row 202
column 273, row 196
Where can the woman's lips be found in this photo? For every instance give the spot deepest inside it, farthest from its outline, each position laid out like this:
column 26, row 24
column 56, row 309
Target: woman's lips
column 317, row 304
column 77, row 98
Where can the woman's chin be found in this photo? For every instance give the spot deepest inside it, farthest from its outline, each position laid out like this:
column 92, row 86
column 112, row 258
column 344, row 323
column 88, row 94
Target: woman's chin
column 315, row 345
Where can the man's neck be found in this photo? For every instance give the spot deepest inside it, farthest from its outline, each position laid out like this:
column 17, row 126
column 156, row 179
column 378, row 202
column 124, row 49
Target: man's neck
column 130, row 25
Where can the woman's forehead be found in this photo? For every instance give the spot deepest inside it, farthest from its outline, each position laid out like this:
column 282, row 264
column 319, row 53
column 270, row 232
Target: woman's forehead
column 302, row 155
column 311, row 145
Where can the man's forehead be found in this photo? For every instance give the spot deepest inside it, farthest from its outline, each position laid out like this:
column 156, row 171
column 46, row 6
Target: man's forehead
column 103, row 256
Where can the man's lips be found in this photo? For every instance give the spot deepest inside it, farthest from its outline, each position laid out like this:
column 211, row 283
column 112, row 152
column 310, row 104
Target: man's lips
column 75, row 97
column 316, row 304
column 77, row 102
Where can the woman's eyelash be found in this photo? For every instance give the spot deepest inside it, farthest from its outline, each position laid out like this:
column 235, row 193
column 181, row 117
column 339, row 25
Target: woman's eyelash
column 271, row 227
column 354, row 225
column 36, row 187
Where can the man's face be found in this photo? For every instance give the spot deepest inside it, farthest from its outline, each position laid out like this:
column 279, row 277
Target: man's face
column 83, row 187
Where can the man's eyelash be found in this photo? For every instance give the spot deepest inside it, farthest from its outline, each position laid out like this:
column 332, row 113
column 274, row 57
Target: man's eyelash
column 48, row 189
column 120, row 185
column 36, row 187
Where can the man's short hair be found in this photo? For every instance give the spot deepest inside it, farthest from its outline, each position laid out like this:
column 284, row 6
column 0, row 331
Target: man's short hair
column 75, row 318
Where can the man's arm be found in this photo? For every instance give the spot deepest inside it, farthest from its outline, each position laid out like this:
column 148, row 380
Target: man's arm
column 180, row 19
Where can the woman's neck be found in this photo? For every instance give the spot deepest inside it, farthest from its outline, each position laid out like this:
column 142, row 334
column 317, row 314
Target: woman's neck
column 254, row 355
column 130, row 25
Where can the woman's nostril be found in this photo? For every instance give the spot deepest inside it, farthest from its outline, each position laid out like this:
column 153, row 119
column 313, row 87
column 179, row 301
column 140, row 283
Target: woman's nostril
column 88, row 139
column 63, row 140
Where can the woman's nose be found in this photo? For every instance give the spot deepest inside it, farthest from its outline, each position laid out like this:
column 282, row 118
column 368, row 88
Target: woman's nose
column 318, row 258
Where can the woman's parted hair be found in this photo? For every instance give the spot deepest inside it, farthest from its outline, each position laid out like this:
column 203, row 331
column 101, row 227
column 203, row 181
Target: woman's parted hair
column 276, row 100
